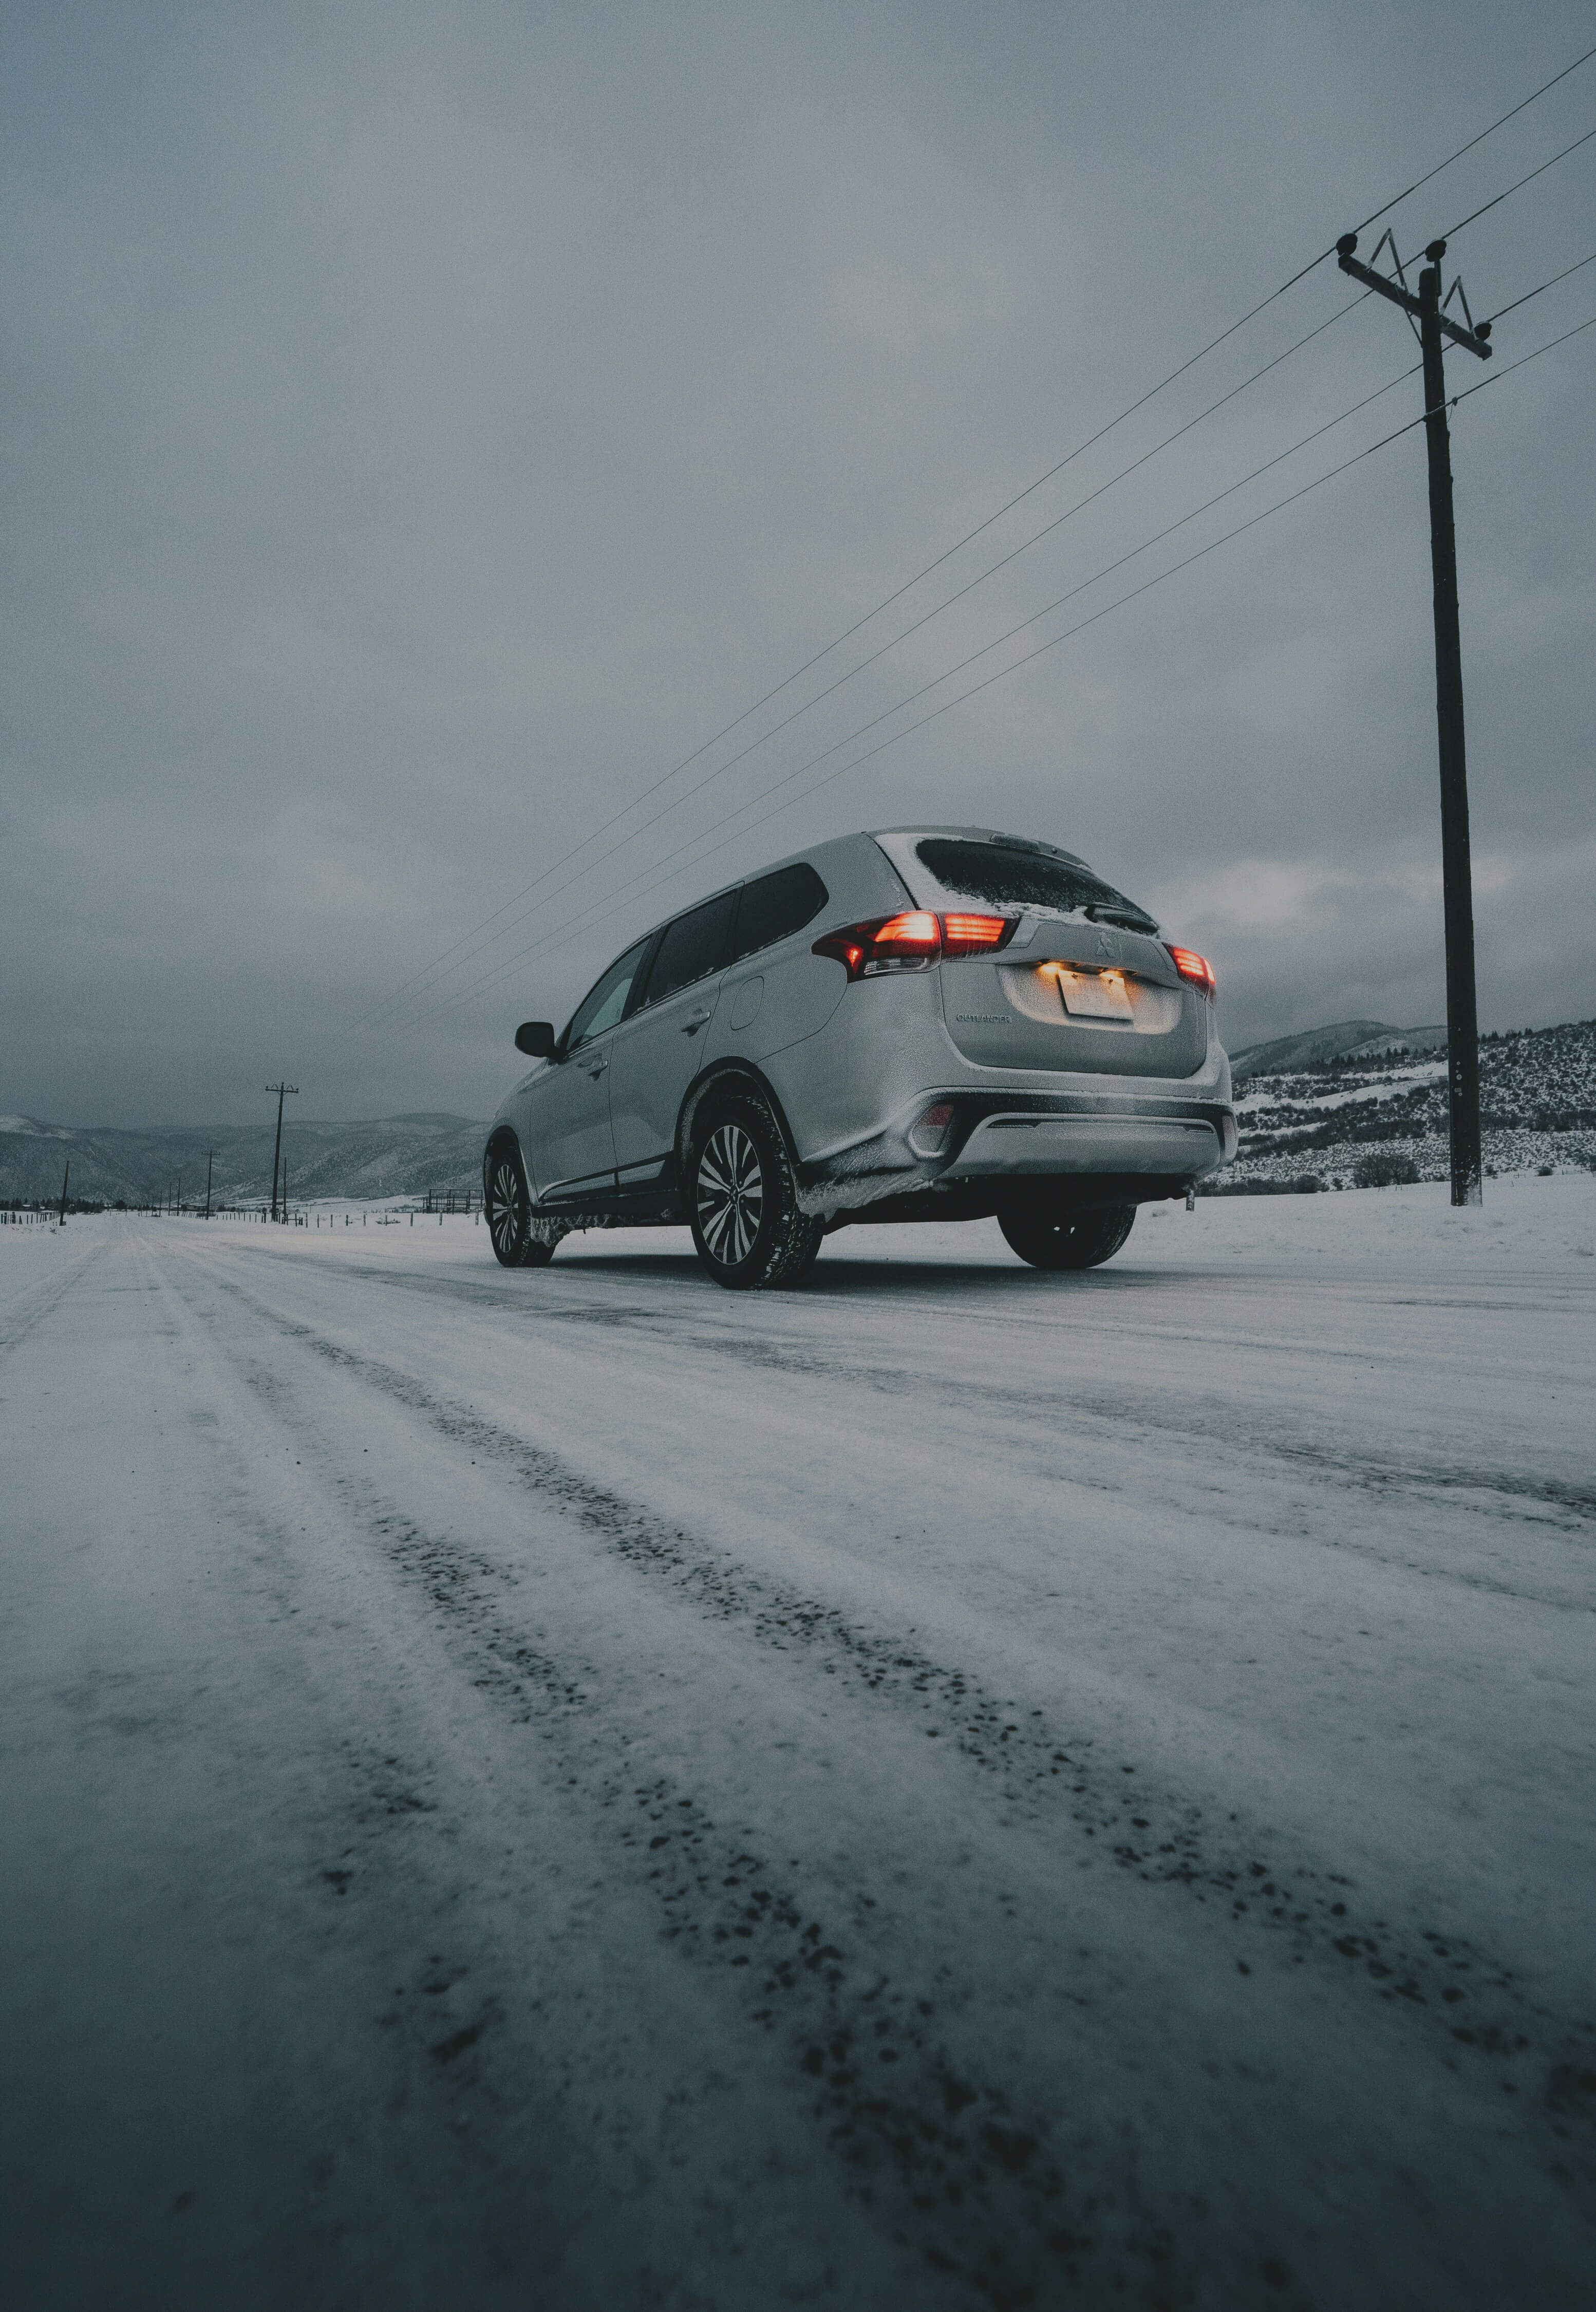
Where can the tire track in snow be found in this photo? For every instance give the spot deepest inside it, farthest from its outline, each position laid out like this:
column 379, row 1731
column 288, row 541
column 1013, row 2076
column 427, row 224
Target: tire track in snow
column 399, row 1852
column 32, row 1304
column 958, row 2167
column 1476, row 2011
column 1213, row 1423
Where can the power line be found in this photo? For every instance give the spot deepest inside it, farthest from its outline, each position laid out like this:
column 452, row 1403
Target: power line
column 1498, row 375
column 1473, row 141
column 946, row 675
column 1476, row 214
column 637, row 801
column 1212, row 547
column 820, row 696
column 496, row 971
column 539, row 945
column 1535, row 292
column 709, row 779
column 1213, row 344
column 1041, row 650
column 907, row 587
column 543, row 941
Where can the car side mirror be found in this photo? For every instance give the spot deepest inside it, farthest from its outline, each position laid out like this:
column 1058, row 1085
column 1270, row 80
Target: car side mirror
column 535, row 1038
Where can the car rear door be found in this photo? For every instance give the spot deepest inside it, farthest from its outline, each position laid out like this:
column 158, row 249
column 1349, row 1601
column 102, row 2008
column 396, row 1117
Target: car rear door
column 776, row 991
column 657, row 1050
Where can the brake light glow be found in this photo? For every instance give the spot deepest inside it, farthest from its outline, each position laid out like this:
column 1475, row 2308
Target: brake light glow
column 909, row 931
column 1195, row 968
column 975, row 934
column 914, row 941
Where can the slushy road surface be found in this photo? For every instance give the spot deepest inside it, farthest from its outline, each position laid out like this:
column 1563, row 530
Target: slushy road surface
column 942, row 1786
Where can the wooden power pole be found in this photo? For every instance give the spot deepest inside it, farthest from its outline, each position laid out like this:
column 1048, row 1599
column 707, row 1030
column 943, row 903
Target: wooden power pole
column 1462, row 1017
column 280, row 1089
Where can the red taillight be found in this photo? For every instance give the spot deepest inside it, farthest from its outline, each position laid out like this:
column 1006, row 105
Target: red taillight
column 900, row 932
column 974, row 934
column 911, row 942
column 1195, row 968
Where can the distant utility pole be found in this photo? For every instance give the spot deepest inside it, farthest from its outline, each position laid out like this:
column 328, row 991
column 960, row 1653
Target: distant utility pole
column 277, row 1151
column 210, row 1159
column 66, row 1176
column 1462, row 1017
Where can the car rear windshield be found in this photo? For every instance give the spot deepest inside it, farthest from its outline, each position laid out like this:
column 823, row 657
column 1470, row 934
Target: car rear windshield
column 1008, row 876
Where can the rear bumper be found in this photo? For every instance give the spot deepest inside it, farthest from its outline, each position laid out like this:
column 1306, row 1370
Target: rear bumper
column 1158, row 1142
column 1181, row 1146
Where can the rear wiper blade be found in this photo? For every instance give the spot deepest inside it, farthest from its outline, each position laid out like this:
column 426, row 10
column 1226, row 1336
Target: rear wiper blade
column 1131, row 919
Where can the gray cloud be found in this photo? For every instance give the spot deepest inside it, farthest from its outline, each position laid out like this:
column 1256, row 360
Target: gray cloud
column 426, row 426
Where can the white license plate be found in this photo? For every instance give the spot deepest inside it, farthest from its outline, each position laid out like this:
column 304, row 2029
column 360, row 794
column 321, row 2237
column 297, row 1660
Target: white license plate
column 1091, row 995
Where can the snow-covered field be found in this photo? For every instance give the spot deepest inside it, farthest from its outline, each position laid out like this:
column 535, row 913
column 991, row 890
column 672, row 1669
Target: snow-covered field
column 943, row 1787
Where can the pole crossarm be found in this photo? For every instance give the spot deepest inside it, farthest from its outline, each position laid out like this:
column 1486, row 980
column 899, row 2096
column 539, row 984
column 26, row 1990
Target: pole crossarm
column 1472, row 340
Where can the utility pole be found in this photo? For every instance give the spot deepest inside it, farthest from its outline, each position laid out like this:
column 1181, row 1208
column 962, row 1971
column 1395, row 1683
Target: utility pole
column 210, row 1159
column 277, row 1151
column 1462, row 1017
column 66, row 1176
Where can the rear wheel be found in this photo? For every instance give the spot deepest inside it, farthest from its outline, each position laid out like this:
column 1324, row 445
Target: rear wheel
column 509, row 1207
column 1065, row 1240
column 742, row 1197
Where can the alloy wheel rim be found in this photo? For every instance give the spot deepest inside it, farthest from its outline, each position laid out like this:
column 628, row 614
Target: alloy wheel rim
column 505, row 1204
column 730, row 1194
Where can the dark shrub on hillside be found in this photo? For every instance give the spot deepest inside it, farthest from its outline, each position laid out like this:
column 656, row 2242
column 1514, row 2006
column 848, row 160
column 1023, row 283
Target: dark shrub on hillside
column 1382, row 1170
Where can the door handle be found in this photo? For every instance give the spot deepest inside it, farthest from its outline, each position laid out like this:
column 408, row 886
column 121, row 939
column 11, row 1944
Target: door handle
column 596, row 1066
column 694, row 1022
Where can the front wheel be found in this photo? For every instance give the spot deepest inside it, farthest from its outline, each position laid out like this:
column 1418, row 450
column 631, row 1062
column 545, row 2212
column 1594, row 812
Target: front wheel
column 742, row 1195
column 509, row 1208
column 1085, row 1240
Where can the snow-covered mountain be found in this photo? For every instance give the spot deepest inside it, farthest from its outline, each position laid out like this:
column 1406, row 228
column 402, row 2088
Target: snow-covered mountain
column 1347, row 1039
column 1366, row 1091
column 1381, row 1103
column 392, row 1156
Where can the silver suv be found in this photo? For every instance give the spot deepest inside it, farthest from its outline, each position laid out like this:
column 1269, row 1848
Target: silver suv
column 934, row 1023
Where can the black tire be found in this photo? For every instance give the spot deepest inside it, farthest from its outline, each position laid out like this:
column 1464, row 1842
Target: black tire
column 508, row 1205
column 741, row 1196
column 1084, row 1240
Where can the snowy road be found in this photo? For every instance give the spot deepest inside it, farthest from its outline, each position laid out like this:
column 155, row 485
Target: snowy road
column 944, row 1787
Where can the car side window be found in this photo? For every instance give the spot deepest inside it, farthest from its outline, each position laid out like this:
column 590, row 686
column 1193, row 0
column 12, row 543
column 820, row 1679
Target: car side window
column 773, row 906
column 692, row 946
column 602, row 1005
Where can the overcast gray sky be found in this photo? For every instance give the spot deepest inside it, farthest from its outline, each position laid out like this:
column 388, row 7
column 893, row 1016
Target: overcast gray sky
column 426, row 425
